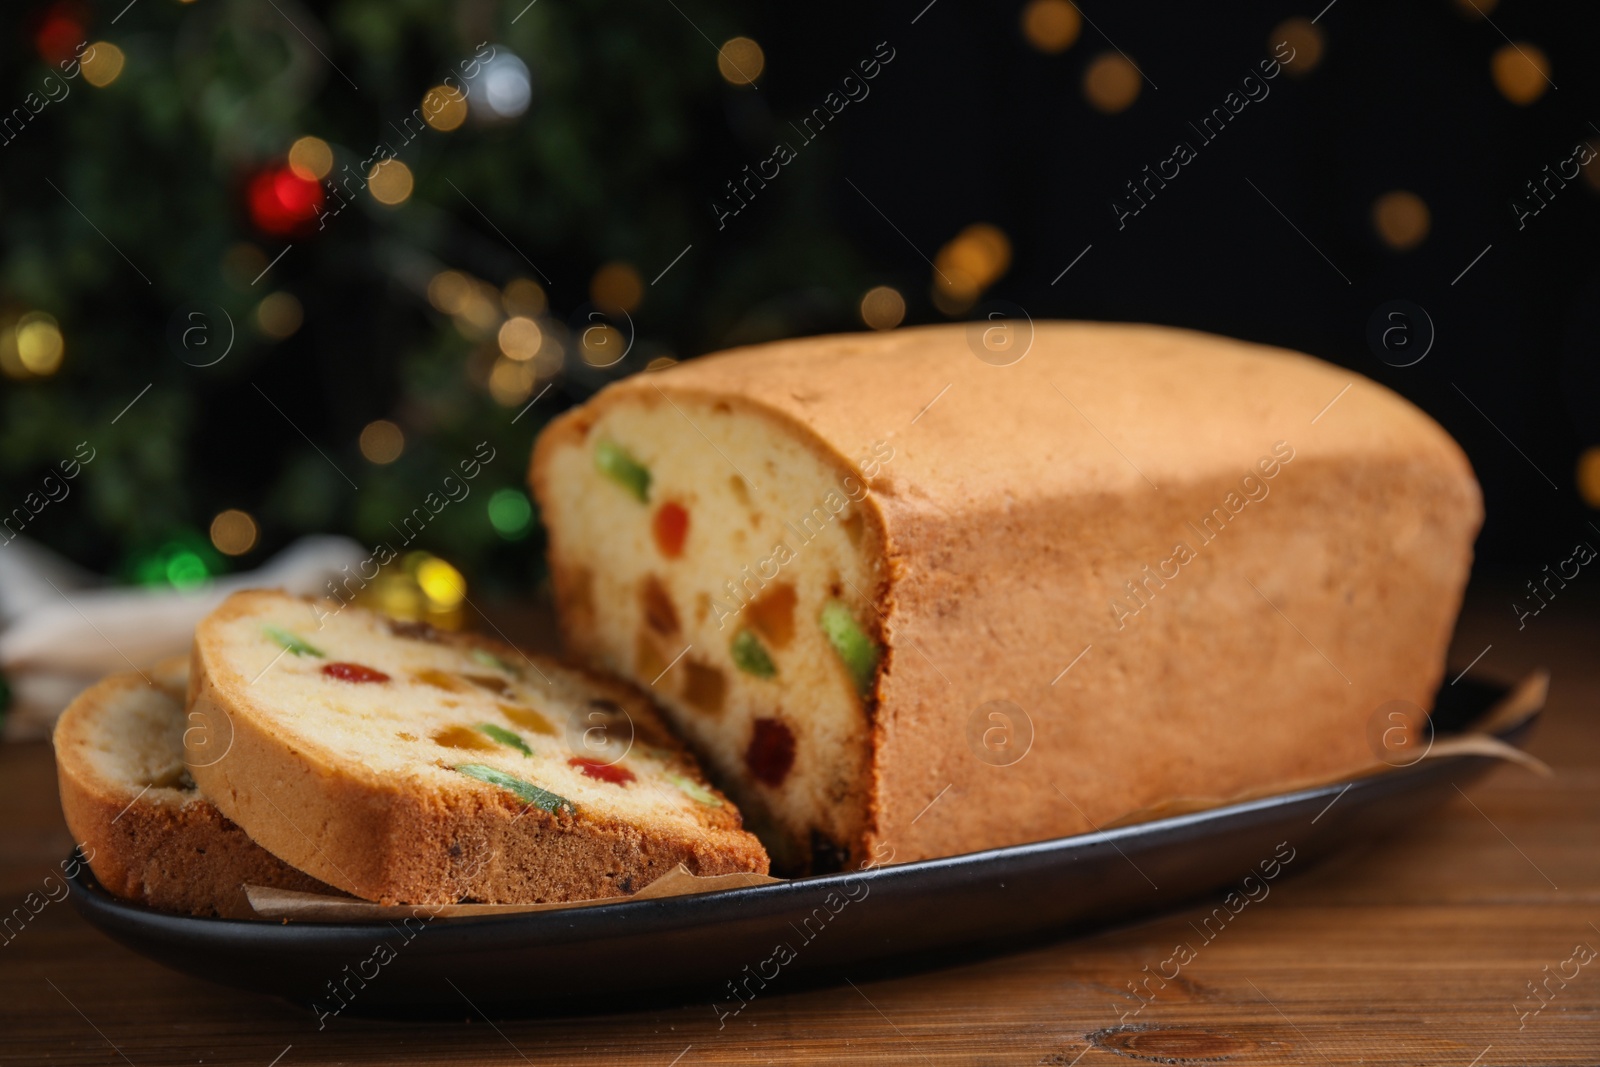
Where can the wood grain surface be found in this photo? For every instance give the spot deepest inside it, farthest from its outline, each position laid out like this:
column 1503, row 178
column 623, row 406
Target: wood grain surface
column 1419, row 949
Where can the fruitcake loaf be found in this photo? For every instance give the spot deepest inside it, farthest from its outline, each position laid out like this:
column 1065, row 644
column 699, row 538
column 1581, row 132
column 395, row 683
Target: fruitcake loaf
column 910, row 602
column 148, row 833
column 409, row 766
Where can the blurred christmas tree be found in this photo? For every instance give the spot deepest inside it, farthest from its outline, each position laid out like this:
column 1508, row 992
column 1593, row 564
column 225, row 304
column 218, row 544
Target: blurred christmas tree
column 283, row 270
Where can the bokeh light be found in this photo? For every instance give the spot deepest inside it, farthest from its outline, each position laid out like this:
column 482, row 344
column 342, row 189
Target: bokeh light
column 234, row 532
column 616, row 285
column 971, row 262
column 520, row 338
column 1111, row 83
column 444, row 108
column 510, row 381
column 1305, row 40
column 311, row 158
column 1589, row 476
column 389, row 182
column 282, row 202
column 883, row 308
column 510, row 513
column 1051, row 26
column 279, row 315
column 1521, row 72
column 102, row 63
column 441, row 583
column 524, row 296
column 507, row 87
column 40, row 347
column 740, row 61
column 382, row 441
column 1401, row 218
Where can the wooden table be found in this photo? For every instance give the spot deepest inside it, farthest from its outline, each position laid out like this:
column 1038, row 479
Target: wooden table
column 1421, row 949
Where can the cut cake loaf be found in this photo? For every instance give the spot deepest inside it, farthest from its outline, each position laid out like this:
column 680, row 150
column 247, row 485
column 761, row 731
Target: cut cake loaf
column 910, row 603
column 405, row 765
column 148, row 833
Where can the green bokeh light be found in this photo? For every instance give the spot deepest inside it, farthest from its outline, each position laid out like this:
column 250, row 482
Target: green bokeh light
column 511, row 513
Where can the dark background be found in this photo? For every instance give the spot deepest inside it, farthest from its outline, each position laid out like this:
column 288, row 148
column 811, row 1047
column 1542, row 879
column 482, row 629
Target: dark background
column 629, row 140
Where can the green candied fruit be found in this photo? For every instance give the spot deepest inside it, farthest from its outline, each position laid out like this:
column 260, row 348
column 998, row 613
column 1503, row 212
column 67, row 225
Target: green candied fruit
column 527, row 792
column 618, row 464
column 489, row 659
column 750, row 657
column 695, row 790
column 505, row 737
column 858, row 651
column 292, row 642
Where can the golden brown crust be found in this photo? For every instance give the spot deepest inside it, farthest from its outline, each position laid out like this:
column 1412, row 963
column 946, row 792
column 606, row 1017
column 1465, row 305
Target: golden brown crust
column 168, row 848
column 1022, row 500
column 382, row 840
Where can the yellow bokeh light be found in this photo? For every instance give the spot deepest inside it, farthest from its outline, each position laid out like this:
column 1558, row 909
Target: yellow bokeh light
column 441, row 583
column 524, row 296
column 1111, row 84
column 520, row 338
column 1401, row 218
column 1521, row 72
column 602, row 345
column 1589, row 476
column 447, row 290
column 311, row 158
column 971, row 262
column 102, row 63
column 39, row 344
column 616, row 285
column 389, row 182
column 741, row 61
column 233, row 532
column 444, row 108
column 1051, row 26
column 279, row 315
column 1305, row 42
column 510, row 382
column 382, row 442
column 883, row 308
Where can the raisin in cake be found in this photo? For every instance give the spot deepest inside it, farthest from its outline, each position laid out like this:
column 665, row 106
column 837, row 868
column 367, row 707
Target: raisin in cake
column 148, row 833
column 855, row 570
column 404, row 765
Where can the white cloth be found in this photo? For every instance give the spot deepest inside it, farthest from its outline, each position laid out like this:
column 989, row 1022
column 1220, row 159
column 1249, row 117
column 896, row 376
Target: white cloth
column 62, row 628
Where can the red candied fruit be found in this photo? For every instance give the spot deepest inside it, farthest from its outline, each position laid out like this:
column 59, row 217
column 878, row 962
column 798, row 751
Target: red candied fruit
column 605, row 772
column 670, row 526
column 354, row 672
column 771, row 752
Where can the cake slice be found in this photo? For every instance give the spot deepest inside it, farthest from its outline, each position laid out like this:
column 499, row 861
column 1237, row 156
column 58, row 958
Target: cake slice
column 907, row 602
column 409, row 766
column 147, row 832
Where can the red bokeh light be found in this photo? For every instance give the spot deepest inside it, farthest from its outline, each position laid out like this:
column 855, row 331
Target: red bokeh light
column 59, row 31
column 282, row 203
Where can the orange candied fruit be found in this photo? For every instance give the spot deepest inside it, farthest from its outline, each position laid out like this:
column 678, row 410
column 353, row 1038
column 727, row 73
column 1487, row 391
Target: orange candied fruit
column 670, row 526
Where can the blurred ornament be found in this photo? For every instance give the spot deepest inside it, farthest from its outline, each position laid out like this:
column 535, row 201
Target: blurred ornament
column 311, row 158
column 60, row 30
column 102, row 63
column 1051, row 26
column 389, row 182
column 1521, row 72
column 279, row 315
column 883, row 308
column 282, row 203
column 39, row 344
column 233, row 532
column 740, row 61
column 507, row 88
column 1111, row 83
column 616, row 285
column 1401, row 218
column 510, row 513
column 444, row 108
column 382, row 442
column 1305, row 42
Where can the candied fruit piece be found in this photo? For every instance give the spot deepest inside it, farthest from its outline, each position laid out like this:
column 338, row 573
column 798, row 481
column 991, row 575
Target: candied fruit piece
column 605, row 772
column 704, row 686
column 528, row 719
column 670, row 527
column 505, row 737
column 463, row 737
column 354, row 672
column 772, row 615
column 771, row 752
column 858, row 651
column 749, row 656
column 291, row 642
column 526, row 792
column 618, row 464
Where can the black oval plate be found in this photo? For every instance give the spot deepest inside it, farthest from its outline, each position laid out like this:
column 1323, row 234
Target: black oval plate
column 730, row 946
